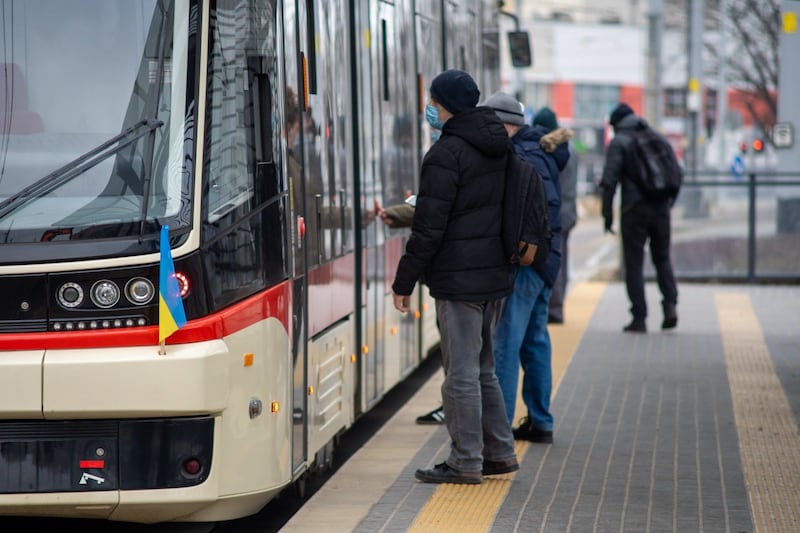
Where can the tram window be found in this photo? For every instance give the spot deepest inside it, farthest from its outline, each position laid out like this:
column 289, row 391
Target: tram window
column 242, row 194
column 385, row 58
column 312, row 49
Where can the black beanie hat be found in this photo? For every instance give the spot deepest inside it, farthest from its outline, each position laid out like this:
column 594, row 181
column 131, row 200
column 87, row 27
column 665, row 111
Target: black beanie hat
column 620, row 112
column 545, row 117
column 455, row 90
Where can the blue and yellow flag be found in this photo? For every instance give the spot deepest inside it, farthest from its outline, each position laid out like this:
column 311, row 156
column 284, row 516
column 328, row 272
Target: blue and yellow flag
column 171, row 316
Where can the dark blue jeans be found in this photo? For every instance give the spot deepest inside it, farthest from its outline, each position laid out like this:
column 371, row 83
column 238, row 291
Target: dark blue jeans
column 521, row 338
column 639, row 223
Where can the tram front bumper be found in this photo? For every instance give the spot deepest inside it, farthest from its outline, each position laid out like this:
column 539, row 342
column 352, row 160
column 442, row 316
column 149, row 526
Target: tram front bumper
column 191, row 379
column 133, row 382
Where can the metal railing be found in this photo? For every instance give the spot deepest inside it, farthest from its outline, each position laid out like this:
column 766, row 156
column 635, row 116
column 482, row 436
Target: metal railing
column 737, row 228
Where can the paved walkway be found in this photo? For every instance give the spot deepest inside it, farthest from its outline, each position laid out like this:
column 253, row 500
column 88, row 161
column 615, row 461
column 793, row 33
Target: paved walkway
column 691, row 430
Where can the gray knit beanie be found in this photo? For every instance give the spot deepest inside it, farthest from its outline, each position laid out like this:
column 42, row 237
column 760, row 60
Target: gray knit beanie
column 508, row 109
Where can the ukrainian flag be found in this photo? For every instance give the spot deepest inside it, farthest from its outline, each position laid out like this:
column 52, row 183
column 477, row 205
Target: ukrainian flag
column 171, row 316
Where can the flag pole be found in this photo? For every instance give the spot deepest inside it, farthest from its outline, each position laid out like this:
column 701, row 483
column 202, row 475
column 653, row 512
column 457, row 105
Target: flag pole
column 171, row 315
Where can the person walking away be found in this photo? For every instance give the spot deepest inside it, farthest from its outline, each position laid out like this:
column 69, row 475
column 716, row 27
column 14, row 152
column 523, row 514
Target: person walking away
column 640, row 220
column 568, row 178
column 456, row 249
column 521, row 337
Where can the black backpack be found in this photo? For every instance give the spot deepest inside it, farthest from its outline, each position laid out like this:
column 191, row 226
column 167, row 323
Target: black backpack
column 654, row 169
column 527, row 237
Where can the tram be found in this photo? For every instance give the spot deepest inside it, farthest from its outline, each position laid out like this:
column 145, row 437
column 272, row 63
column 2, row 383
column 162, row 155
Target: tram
column 261, row 133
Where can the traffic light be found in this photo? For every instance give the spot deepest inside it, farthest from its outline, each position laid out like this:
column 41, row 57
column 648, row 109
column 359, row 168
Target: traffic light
column 758, row 145
column 743, row 147
column 520, row 48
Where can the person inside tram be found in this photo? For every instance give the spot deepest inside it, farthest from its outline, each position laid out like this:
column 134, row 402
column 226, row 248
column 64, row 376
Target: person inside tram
column 319, row 214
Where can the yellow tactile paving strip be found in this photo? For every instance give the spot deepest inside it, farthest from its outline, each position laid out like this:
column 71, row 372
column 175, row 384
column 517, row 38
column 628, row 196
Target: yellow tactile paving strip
column 768, row 433
column 471, row 508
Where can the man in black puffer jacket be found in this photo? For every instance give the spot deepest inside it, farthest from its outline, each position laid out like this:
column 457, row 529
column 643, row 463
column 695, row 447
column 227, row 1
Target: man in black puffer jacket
column 456, row 248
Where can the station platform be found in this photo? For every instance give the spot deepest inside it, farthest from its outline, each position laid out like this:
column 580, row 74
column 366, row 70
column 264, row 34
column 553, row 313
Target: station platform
column 694, row 429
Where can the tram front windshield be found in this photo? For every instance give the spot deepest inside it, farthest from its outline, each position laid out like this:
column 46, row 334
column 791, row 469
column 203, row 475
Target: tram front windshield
column 96, row 118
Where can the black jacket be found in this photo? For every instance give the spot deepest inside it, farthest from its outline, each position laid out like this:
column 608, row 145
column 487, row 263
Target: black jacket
column 456, row 245
column 620, row 150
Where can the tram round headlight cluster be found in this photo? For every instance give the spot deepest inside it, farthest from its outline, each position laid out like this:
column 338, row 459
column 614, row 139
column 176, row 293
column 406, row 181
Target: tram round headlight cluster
column 105, row 294
column 139, row 291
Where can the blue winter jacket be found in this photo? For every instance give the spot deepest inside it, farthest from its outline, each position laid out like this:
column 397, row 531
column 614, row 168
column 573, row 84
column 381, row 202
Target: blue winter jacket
column 548, row 152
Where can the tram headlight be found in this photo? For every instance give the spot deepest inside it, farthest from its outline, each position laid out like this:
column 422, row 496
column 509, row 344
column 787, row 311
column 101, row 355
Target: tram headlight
column 139, row 291
column 70, row 295
column 105, row 294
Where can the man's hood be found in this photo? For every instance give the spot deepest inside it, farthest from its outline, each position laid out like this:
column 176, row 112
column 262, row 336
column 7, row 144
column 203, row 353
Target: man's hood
column 630, row 122
column 481, row 128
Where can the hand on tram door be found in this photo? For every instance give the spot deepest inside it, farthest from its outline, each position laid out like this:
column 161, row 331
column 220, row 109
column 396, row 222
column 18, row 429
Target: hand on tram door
column 380, row 213
column 401, row 302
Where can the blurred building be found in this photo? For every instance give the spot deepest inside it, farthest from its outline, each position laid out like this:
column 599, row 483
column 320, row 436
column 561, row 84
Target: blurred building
column 590, row 55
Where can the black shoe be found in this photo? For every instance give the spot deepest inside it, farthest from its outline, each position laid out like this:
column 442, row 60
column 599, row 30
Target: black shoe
column 492, row 468
column 527, row 431
column 442, row 473
column 434, row 417
column 554, row 320
column 636, row 326
column 670, row 318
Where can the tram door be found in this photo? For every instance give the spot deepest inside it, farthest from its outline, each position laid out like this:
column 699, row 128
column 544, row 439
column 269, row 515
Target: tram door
column 297, row 172
column 430, row 62
column 370, row 69
column 399, row 111
column 321, row 195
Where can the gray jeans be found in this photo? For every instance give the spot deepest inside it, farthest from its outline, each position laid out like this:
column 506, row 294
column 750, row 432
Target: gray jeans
column 474, row 411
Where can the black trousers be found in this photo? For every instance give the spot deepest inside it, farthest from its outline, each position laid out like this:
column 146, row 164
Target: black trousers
column 642, row 222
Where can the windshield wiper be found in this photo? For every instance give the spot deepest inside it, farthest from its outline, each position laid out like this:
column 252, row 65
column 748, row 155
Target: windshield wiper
column 74, row 168
column 153, row 111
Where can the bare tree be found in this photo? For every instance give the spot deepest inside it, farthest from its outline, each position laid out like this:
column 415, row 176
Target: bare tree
column 752, row 49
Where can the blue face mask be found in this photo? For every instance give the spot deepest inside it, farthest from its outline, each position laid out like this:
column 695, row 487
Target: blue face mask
column 432, row 116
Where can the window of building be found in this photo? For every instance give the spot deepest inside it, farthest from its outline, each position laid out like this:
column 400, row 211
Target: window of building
column 675, row 102
column 537, row 95
column 595, row 102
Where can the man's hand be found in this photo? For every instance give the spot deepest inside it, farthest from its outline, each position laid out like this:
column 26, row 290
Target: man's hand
column 401, row 302
column 382, row 214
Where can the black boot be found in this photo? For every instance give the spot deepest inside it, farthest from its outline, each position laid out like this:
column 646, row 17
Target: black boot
column 637, row 325
column 670, row 317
